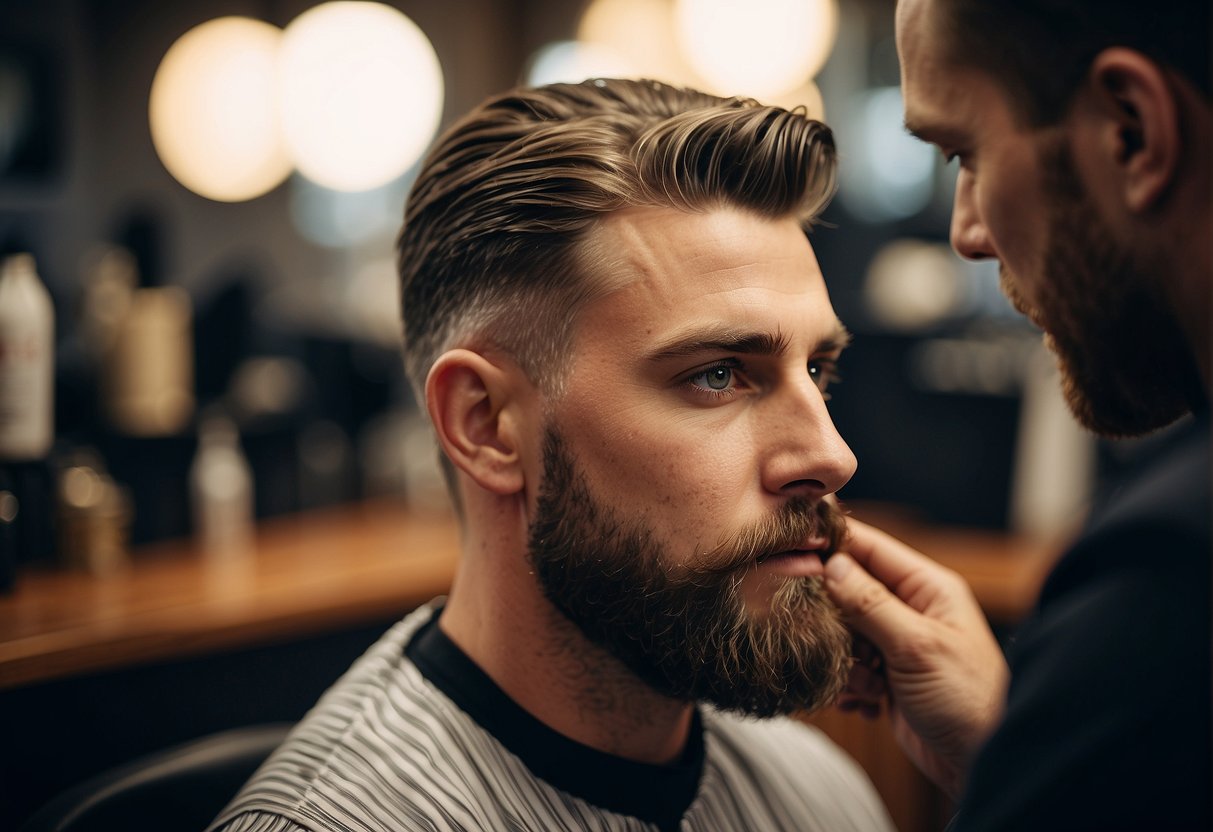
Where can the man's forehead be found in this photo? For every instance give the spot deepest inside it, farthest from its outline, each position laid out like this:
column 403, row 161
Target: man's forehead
column 668, row 273
column 940, row 97
column 692, row 250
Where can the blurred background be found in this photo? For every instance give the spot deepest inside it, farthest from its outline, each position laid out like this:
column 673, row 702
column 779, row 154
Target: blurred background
column 198, row 304
column 210, row 192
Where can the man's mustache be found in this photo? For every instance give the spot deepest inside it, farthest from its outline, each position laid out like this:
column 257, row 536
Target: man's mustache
column 787, row 529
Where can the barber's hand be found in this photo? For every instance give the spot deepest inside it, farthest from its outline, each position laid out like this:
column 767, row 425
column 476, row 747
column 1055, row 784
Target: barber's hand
column 930, row 655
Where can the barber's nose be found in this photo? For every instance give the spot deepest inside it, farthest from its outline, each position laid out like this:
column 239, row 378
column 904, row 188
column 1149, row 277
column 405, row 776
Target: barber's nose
column 968, row 233
column 806, row 456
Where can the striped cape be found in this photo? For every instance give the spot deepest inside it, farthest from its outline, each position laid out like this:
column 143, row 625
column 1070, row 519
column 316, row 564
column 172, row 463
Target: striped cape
column 385, row 751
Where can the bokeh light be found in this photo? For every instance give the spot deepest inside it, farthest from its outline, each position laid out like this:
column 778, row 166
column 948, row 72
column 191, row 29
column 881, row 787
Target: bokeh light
column 912, row 285
column 640, row 33
column 886, row 173
column 338, row 219
column 807, row 96
column 213, row 110
column 570, row 61
column 761, row 48
column 362, row 94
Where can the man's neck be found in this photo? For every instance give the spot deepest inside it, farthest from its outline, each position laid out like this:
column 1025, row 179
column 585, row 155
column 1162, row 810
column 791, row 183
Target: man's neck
column 502, row 621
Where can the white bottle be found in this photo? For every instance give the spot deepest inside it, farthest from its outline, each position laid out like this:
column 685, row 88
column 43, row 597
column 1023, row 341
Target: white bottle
column 27, row 361
column 221, row 490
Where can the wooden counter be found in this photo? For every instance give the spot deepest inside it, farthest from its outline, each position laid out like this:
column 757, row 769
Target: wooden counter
column 336, row 568
column 307, row 574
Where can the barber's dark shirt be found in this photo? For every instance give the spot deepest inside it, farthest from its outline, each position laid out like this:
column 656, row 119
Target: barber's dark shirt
column 1107, row 725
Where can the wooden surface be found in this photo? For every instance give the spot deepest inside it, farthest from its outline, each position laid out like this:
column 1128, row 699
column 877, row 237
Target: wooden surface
column 334, row 568
column 308, row 574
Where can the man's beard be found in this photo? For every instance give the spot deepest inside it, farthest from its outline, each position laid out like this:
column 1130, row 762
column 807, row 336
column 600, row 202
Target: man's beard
column 1126, row 368
column 683, row 628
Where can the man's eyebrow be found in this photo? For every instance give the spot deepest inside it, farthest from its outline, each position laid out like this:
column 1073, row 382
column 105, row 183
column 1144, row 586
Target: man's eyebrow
column 837, row 341
column 931, row 133
column 744, row 342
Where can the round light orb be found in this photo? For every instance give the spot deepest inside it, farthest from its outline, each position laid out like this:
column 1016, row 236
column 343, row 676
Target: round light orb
column 886, row 174
column 807, row 96
column 640, row 33
column 912, row 285
column 362, row 94
column 213, row 110
column 341, row 219
column 761, row 48
column 571, row 62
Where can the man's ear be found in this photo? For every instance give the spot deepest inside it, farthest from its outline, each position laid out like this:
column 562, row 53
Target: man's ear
column 1141, row 134
column 475, row 409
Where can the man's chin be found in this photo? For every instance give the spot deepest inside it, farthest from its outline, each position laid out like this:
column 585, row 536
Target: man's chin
column 760, row 591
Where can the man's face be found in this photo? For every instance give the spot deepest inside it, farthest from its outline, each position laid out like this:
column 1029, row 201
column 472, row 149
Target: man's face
column 1019, row 198
column 688, row 462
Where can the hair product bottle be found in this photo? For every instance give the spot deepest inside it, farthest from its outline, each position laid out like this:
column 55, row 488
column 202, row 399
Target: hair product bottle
column 27, row 361
column 27, row 423
column 221, row 489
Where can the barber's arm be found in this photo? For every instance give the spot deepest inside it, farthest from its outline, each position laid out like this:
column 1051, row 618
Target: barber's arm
column 936, row 663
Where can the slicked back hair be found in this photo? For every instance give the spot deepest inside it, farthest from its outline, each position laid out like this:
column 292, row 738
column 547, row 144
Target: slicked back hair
column 1040, row 50
column 493, row 251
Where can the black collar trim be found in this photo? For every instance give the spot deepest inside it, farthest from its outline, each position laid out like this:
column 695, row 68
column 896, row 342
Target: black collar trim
column 655, row 794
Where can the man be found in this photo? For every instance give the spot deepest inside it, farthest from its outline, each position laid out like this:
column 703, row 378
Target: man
column 1083, row 132
column 623, row 341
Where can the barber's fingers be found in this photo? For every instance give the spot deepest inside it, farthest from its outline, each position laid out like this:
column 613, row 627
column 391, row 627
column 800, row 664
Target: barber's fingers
column 884, row 556
column 925, row 585
column 867, row 604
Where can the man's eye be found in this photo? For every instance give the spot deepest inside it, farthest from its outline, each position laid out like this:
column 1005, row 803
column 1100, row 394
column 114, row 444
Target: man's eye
column 824, row 372
column 714, row 378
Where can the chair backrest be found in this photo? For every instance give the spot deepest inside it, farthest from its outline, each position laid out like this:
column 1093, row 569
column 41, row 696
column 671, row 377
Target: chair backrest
column 182, row 788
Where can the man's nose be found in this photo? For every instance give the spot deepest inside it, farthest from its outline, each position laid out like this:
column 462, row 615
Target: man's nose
column 968, row 233
column 806, row 456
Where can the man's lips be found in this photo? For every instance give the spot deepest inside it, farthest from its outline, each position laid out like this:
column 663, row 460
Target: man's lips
column 805, row 559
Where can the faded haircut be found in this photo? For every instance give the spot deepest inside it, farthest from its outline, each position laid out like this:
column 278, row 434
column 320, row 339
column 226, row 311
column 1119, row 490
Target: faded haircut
column 493, row 251
column 1040, row 50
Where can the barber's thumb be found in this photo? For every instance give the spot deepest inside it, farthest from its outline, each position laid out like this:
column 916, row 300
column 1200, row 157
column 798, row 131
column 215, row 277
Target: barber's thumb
column 866, row 604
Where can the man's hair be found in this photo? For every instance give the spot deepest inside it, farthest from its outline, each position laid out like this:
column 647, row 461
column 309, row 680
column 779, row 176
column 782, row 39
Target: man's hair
column 1040, row 50
column 492, row 253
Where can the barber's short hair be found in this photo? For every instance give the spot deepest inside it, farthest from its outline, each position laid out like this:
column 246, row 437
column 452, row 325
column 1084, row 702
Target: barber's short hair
column 1040, row 50
column 492, row 251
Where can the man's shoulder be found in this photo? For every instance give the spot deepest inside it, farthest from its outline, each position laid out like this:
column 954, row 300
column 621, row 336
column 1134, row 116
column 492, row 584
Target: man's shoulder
column 1133, row 590
column 791, row 767
column 1156, row 517
column 380, row 731
column 255, row 821
column 1168, row 489
column 775, row 746
column 1121, row 626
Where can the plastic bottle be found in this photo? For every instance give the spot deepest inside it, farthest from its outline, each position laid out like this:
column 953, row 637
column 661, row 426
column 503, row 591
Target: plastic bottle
column 27, row 361
column 221, row 490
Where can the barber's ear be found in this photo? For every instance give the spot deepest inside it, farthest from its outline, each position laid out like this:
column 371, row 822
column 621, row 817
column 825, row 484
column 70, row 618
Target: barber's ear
column 1141, row 115
column 473, row 404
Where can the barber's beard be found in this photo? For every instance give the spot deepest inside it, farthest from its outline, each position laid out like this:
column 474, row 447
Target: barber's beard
column 1126, row 368
column 683, row 628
